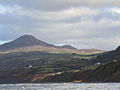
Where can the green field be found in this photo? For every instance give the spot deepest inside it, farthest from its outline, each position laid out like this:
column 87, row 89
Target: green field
column 47, row 62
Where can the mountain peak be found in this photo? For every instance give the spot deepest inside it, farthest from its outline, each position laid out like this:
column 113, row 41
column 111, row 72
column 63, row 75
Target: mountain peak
column 26, row 35
column 28, row 38
column 23, row 41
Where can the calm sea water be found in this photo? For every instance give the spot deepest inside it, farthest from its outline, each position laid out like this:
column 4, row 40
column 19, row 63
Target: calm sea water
column 62, row 86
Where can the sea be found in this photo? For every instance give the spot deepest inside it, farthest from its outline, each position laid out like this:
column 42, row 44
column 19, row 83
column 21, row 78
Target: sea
column 62, row 86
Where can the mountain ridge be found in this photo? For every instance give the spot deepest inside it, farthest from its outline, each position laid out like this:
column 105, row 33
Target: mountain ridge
column 30, row 43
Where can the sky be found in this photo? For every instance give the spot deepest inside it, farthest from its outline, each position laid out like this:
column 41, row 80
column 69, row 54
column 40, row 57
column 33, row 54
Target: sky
column 81, row 23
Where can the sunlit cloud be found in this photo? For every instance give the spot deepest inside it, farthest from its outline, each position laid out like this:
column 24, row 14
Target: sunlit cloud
column 115, row 10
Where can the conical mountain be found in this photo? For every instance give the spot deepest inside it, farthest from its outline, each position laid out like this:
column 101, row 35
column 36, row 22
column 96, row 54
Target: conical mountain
column 23, row 41
column 28, row 43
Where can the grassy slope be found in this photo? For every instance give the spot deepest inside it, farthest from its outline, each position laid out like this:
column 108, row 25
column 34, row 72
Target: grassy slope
column 106, row 73
column 109, row 72
column 52, row 62
column 47, row 64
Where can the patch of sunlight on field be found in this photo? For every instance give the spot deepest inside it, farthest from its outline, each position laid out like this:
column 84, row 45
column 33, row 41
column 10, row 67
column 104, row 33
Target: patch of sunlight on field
column 4, row 52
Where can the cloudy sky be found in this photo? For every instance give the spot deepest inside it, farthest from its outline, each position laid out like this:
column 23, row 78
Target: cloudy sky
column 81, row 23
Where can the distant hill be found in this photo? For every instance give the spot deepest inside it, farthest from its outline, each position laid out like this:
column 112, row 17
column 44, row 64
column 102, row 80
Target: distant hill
column 23, row 41
column 68, row 47
column 28, row 43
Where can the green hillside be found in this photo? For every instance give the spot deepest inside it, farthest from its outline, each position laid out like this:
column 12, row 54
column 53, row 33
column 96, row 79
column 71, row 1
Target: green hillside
column 47, row 61
column 106, row 73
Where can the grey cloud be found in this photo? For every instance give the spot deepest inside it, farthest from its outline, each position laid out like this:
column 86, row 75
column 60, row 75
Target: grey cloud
column 59, row 22
column 61, row 4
